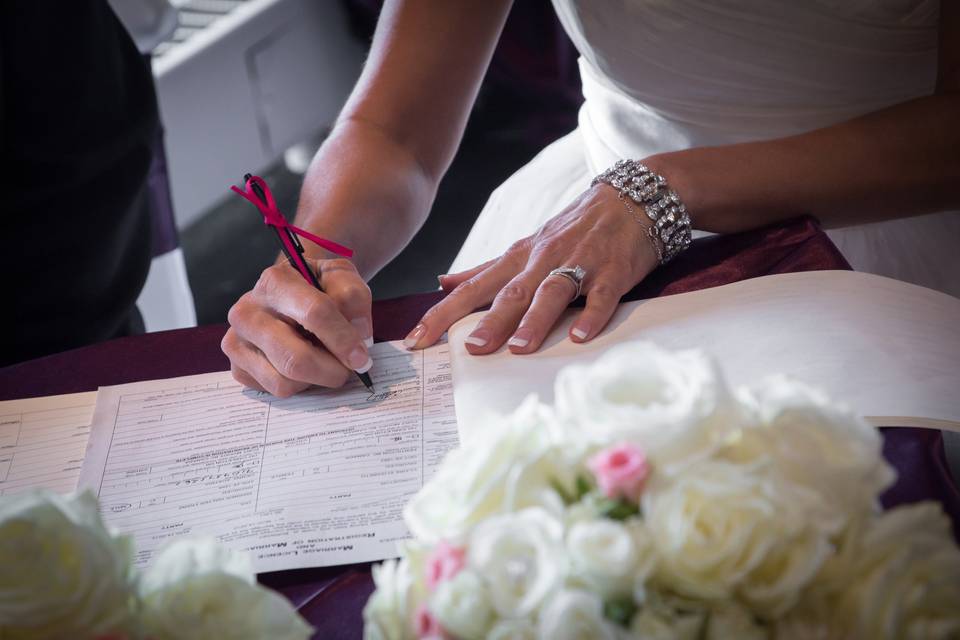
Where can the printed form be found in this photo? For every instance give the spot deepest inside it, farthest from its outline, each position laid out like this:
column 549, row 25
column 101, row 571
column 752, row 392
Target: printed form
column 317, row 479
column 42, row 441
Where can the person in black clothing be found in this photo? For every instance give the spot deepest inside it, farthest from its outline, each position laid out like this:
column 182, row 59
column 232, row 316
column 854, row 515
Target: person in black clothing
column 78, row 123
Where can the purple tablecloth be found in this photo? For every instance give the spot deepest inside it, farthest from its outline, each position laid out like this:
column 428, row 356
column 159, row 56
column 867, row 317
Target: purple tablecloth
column 332, row 598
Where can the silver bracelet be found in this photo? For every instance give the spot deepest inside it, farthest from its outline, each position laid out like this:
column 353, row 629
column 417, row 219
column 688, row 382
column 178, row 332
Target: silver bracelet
column 671, row 227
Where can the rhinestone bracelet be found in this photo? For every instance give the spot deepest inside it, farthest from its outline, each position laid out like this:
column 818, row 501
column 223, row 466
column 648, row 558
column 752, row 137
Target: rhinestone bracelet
column 671, row 229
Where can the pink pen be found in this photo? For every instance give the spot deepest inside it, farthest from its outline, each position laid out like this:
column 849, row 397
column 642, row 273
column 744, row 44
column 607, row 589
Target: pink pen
column 258, row 194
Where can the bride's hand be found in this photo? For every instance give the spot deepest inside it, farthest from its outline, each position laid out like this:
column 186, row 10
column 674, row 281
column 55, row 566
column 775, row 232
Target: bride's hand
column 595, row 231
column 285, row 336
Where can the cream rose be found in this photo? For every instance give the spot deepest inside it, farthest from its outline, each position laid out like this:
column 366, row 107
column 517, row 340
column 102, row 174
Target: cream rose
column 733, row 621
column 462, row 606
column 64, row 575
column 667, row 617
column 722, row 530
column 572, row 614
column 505, row 467
column 671, row 618
column 905, row 578
column 818, row 445
column 518, row 556
column 675, row 405
column 198, row 589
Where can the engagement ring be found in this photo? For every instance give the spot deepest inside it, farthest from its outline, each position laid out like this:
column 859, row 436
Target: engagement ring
column 574, row 274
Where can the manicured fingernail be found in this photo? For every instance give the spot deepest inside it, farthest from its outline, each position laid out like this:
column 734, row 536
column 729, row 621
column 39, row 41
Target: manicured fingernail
column 366, row 366
column 358, row 359
column 521, row 338
column 478, row 338
column 414, row 336
column 581, row 332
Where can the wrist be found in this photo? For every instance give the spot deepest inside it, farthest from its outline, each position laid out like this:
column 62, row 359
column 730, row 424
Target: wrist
column 363, row 191
column 637, row 185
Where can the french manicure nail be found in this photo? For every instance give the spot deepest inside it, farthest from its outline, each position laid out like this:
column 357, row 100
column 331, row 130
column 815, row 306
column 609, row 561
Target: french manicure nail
column 414, row 336
column 366, row 366
column 358, row 359
column 478, row 338
column 521, row 338
column 580, row 333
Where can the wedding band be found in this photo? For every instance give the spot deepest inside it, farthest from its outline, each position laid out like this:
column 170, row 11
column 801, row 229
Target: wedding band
column 574, row 274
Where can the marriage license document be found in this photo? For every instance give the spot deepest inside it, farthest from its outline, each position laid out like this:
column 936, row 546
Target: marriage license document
column 317, row 479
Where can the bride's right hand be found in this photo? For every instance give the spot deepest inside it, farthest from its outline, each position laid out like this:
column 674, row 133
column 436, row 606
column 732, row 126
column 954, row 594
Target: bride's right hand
column 285, row 335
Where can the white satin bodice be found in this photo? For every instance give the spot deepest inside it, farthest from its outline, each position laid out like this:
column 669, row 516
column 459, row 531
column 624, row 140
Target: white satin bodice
column 667, row 75
column 661, row 75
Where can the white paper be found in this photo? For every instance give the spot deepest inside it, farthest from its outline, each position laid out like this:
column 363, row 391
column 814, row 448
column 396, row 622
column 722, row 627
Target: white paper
column 42, row 441
column 316, row 479
column 888, row 349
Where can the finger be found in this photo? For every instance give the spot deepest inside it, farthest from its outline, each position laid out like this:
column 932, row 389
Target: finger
column 552, row 298
column 350, row 293
column 293, row 355
column 602, row 298
column 468, row 296
column 450, row 281
column 509, row 306
column 282, row 290
column 244, row 378
column 246, row 357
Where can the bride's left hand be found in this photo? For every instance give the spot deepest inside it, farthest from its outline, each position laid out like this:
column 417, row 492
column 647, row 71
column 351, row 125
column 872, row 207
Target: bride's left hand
column 595, row 231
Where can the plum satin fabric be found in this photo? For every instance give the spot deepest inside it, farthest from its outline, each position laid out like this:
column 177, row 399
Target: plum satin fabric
column 332, row 598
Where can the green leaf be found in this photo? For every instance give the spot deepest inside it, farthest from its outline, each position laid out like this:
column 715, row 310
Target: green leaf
column 617, row 509
column 620, row 611
column 564, row 495
column 583, row 486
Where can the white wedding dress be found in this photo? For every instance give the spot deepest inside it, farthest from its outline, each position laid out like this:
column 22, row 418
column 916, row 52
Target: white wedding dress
column 663, row 75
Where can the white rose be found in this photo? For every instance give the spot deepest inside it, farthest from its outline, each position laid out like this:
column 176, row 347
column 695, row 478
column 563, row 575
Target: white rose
column 604, row 556
column 462, row 605
column 572, row 614
column 722, row 530
column 512, row 630
column 519, row 556
column 673, row 404
column 197, row 589
column 388, row 614
column 507, row 466
column 905, row 578
column 816, row 444
column 64, row 575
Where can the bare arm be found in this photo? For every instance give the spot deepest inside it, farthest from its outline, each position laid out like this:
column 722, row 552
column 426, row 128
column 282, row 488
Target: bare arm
column 369, row 187
column 373, row 181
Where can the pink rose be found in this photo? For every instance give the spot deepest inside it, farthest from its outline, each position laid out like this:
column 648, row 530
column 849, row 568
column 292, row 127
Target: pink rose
column 426, row 626
column 444, row 562
column 621, row 471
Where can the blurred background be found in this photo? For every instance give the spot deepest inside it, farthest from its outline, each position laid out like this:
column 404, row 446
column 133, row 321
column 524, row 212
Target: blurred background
column 255, row 85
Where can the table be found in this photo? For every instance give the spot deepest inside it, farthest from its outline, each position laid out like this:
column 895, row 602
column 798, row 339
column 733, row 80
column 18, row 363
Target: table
column 332, row 598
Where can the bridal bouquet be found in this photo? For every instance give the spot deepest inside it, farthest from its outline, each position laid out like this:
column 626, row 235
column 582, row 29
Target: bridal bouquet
column 653, row 501
column 63, row 574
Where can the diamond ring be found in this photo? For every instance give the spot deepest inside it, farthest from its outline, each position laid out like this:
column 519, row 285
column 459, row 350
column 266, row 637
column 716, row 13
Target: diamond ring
column 574, row 274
